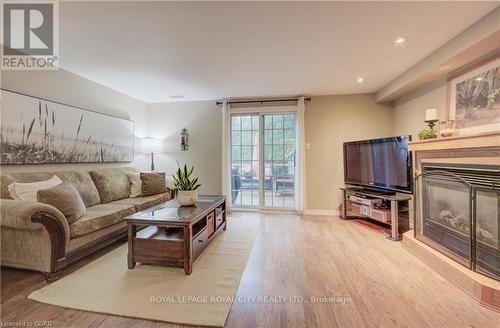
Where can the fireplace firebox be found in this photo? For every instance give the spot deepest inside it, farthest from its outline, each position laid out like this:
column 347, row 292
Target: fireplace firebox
column 457, row 212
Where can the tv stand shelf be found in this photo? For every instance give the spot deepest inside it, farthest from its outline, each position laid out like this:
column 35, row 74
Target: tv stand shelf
column 395, row 215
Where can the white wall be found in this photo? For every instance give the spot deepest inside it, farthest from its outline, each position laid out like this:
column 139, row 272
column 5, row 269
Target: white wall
column 68, row 88
column 203, row 119
column 409, row 111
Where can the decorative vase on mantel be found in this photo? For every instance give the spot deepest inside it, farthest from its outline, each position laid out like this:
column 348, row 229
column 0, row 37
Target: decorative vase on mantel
column 187, row 197
column 447, row 128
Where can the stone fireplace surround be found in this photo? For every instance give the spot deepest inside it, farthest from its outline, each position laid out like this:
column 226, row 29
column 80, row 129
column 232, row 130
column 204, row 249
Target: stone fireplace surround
column 471, row 151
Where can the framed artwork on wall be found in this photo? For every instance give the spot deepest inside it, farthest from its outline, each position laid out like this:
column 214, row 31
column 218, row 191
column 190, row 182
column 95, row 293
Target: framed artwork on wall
column 474, row 98
column 38, row 131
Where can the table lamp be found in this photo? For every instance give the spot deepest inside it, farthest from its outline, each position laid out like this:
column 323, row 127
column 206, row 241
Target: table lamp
column 152, row 145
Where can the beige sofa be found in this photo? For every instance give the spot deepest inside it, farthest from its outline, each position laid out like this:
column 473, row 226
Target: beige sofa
column 37, row 236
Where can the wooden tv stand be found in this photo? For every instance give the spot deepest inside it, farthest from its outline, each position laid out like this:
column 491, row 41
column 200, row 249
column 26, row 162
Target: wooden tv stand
column 396, row 215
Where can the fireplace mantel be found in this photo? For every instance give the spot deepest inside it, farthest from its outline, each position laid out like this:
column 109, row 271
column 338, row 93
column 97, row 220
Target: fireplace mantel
column 481, row 148
column 483, row 140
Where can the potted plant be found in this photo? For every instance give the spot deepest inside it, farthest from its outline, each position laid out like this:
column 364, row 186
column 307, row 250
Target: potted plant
column 187, row 193
column 427, row 134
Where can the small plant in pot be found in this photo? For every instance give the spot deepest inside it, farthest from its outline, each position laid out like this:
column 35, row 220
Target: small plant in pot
column 187, row 193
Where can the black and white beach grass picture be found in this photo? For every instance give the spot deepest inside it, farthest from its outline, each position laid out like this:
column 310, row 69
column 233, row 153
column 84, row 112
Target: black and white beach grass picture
column 36, row 131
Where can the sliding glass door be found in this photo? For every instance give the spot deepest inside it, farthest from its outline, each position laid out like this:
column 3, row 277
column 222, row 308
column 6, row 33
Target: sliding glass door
column 267, row 180
column 279, row 160
column 245, row 182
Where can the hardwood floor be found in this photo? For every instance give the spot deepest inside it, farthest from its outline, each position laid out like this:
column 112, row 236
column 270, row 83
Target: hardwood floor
column 371, row 282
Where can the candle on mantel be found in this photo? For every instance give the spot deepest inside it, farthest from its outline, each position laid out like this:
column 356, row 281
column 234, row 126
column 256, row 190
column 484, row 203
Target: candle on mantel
column 431, row 114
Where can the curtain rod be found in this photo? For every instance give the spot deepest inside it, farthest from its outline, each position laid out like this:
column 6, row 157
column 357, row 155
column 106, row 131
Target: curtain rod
column 218, row 103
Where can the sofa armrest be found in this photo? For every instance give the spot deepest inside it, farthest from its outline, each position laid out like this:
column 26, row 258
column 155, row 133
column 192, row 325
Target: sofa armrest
column 24, row 215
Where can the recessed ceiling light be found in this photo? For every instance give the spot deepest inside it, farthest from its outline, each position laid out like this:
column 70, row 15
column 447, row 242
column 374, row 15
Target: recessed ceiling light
column 399, row 40
column 177, row 97
column 360, row 80
column 479, row 78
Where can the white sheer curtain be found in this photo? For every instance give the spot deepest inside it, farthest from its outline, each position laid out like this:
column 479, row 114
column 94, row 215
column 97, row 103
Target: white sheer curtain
column 226, row 160
column 300, row 172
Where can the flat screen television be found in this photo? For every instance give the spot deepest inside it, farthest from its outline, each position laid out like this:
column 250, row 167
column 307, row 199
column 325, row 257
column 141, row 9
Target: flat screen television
column 383, row 164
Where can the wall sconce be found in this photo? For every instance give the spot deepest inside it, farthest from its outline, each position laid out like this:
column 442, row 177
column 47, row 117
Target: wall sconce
column 184, row 139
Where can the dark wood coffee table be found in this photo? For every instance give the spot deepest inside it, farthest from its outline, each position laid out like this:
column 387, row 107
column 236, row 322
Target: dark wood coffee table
column 171, row 235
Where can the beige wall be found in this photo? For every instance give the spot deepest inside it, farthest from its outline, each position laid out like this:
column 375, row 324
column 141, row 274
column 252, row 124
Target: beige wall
column 331, row 120
column 68, row 88
column 409, row 111
column 203, row 119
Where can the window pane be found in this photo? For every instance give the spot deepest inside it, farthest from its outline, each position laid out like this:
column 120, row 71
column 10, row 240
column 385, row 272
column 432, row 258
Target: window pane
column 255, row 153
column 277, row 169
column 268, row 122
column 255, row 137
column 268, row 171
column 268, row 198
column 278, row 152
column 255, row 169
column 236, row 197
column 289, row 136
column 246, row 170
column 246, row 153
column 268, row 137
column 268, row 153
column 246, row 197
column 255, row 197
column 255, row 122
column 235, row 123
column 289, row 121
column 290, row 152
column 246, row 122
column 236, row 153
column 246, row 137
column 277, row 121
column 277, row 200
column 277, row 137
column 235, row 137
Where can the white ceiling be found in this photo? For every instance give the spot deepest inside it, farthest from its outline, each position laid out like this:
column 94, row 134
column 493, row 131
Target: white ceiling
column 208, row 51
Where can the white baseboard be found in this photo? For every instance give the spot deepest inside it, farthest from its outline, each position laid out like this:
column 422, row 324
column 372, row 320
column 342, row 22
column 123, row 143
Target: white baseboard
column 321, row 212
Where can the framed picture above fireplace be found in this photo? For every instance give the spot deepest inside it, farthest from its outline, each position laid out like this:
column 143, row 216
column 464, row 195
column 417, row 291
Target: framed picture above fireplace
column 38, row 131
column 474, row 98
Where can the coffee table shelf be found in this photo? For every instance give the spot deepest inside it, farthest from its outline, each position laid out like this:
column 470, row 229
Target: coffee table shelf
column 158, row 233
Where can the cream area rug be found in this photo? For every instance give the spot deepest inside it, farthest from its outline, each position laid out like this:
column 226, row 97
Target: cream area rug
column 161, row 293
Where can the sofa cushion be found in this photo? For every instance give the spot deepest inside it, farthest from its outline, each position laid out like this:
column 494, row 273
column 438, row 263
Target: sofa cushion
column 153, row 183
column 83, row 183
column 142, row 203
column 81, row 180
column 65, row 198
column 112, row 184
column 135, row 184
column 98, row 217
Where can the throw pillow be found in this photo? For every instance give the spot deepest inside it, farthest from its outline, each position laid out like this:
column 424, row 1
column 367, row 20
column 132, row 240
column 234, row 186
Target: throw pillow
column 27, row 191
column 66, row 199
column 112, row 184
column 135, row 184
column 153, row 183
